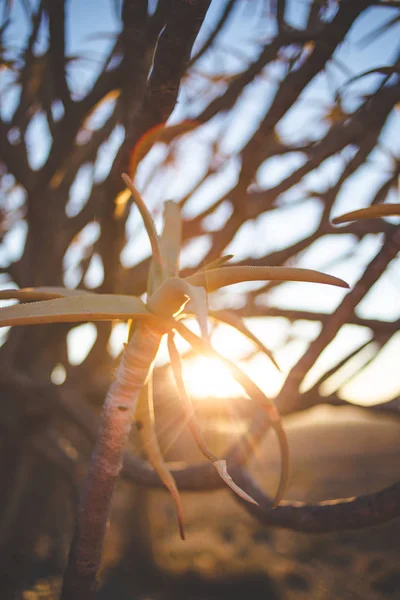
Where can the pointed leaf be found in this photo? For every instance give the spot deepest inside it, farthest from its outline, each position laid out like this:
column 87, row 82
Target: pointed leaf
column 371, row 212
column 218, row 278
column 40, row 293
column 172, row 296
column 221, row 467
column 145, row 421
column 170, row 241
column 214, row 264
column 236, row 322
column 176, row 365
column 147, row 220
column 219, row 464
column 198, row 304
column 76, row 309
column 254, row 392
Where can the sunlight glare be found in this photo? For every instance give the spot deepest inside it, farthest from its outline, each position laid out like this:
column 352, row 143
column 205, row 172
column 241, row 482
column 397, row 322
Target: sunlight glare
column 205, row 378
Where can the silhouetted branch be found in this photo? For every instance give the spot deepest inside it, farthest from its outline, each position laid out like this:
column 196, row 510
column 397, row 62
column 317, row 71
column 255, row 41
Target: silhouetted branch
column 333, row 515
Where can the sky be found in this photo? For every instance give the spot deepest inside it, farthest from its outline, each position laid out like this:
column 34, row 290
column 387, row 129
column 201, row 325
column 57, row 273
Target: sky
column 92, row 27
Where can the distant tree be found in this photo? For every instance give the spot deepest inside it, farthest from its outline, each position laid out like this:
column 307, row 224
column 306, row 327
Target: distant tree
column 215, row 103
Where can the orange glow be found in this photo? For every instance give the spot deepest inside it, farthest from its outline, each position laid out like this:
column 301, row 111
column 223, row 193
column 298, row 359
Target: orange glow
column 205, row 378
column 159, row 133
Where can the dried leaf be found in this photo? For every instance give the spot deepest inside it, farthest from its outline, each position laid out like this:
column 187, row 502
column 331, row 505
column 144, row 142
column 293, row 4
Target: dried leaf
column 218, row 463
column 221, row 467
column 145, row 420
column 204, row 348
column 193, row 425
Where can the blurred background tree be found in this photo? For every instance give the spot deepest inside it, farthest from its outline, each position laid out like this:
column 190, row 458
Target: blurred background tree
column 280, row 115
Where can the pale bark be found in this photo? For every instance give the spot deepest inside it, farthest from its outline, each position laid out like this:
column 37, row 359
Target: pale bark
column 106, row 463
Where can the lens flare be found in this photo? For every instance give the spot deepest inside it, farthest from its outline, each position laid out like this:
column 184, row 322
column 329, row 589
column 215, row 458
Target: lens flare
column 205, row 378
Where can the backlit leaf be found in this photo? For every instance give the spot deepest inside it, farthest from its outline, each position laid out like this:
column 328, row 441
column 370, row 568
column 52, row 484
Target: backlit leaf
column 145, row 420
column 76, row 309
column 147, row 220
column 170, row 240
column 40, row 293
column 218, row 278
column 255, row 393
column 236, row 322
column 218, row 463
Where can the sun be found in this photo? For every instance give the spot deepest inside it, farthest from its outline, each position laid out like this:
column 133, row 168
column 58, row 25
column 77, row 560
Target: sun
column 207, row 377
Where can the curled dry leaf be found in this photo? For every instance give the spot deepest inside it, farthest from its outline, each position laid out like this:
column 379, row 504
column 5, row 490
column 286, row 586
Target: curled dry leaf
column 144, row 417
column 255, row 393
column 194, row 427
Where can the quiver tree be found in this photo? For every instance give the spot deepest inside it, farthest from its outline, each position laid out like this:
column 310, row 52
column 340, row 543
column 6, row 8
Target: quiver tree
column 196, row 100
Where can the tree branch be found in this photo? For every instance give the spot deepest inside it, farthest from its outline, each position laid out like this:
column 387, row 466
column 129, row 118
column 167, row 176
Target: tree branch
column 334, row 515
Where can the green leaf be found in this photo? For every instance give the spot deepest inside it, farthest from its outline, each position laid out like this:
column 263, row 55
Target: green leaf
column 218, row 278
column 371, row 212
column 76, row 309
column 40, row 293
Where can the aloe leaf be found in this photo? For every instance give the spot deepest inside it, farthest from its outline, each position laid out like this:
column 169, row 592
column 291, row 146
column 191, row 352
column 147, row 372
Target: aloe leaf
column 214, row 264
column 371, row 212
column 170, row 240
column 176, row 365
column 170, row 298
column 225, row 316
column 169, row 244
column 204, row 348
column 145, row 421
column 76, row 309
column 218, row 463
column 199, row 304
column 218, row 278
column 222, row 469
column 147, row 220
column 41, row 293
